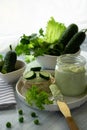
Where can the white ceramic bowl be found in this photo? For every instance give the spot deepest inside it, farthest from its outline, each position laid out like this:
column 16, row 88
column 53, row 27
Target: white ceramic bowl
column 49, row 61
column 14, row 75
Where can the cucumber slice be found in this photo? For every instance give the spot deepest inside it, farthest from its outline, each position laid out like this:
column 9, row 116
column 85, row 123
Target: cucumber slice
column 35, row 69
column 30, row 75
column 44, row 74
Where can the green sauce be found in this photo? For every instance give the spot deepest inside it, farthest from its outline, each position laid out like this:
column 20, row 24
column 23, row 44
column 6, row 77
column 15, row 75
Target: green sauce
column 71, row 79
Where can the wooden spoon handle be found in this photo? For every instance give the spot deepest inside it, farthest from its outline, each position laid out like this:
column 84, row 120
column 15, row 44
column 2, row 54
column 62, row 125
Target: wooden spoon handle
column 71, row 123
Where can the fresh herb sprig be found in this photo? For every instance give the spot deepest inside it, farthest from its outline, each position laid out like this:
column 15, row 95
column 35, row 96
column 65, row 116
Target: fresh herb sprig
column 36, row 97
column 30, row 45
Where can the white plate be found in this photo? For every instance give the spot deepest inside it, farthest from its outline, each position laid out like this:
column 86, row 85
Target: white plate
column 72, row 102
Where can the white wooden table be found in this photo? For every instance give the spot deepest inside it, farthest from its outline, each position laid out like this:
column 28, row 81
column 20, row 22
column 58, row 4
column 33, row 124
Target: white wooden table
column 48, row 120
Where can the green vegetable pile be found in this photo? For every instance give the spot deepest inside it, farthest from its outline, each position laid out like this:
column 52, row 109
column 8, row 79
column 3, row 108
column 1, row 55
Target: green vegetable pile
column 34, row 43
column 56, row 40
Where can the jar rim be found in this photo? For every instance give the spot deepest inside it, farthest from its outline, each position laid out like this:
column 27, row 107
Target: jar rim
column 71, row 59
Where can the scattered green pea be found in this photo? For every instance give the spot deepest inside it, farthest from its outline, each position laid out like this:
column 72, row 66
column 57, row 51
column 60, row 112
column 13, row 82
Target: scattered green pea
column 36, row 122
column 8, row 124
column 20, row 111
column 33, row 114
column 21, row 119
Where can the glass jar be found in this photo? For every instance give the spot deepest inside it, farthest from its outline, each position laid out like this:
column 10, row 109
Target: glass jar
column 70, row 74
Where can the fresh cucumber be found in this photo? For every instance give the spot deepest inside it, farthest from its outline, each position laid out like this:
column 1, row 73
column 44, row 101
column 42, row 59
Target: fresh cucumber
column 75, row 42
column 44, row 74
column 9, row 61
column 1, row 65
column 35, row 69
column 29, row 75
column 68, row 34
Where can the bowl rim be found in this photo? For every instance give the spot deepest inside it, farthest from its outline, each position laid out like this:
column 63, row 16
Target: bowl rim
column 76, row 53
column 21, row 61
column 48, row 55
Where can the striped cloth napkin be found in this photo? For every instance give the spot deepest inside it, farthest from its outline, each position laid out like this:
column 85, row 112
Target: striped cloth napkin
column 7, row 97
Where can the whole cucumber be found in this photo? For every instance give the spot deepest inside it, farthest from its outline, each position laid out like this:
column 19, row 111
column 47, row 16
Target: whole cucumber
column 68, row 34
column 9, row 62
column 75, row 42
column 1, row 65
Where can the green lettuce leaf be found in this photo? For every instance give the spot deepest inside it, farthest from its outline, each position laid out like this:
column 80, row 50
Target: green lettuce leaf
column 54, row 30
column 36, row 97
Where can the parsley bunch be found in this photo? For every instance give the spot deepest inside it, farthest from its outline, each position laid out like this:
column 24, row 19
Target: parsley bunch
column 38, row 98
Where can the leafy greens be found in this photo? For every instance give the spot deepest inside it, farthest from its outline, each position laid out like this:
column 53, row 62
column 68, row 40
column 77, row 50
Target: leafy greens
column 54, row 31
column 36, row 97
column 44, row 42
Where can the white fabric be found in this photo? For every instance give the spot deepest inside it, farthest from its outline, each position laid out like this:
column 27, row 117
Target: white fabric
column 7, row 98
column 27, row 16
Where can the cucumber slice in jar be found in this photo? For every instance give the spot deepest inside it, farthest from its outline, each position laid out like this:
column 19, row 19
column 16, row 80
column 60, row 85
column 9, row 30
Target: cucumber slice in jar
column 29, row 75
column 44, row 74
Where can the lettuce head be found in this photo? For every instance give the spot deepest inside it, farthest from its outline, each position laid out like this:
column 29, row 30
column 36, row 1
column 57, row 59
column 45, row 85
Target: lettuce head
column 54, row 30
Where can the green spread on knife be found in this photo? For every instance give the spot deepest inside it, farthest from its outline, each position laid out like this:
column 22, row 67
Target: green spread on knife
column 56, row 92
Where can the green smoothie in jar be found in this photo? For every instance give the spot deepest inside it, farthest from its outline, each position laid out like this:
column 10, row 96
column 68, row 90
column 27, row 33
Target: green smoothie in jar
column 70, row 74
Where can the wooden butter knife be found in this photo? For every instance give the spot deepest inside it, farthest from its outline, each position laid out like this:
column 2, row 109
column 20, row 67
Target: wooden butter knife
column 63, row 107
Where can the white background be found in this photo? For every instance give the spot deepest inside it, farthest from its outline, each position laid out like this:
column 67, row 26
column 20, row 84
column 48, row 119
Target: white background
column 27, row 16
